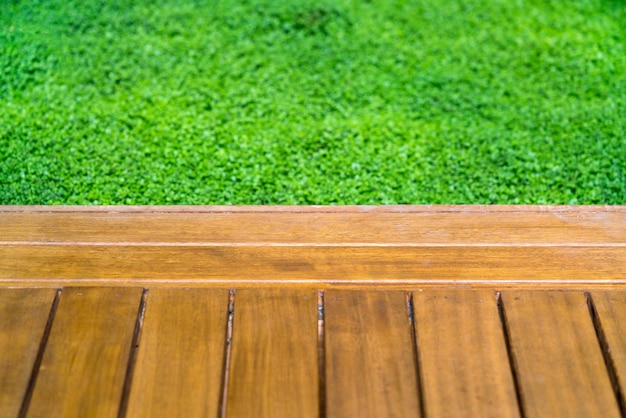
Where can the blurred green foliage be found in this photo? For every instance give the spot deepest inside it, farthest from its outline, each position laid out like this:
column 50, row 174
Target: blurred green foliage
column 312, row 102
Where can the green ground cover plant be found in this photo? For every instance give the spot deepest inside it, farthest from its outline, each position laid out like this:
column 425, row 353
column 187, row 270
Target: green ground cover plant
column 312, row 102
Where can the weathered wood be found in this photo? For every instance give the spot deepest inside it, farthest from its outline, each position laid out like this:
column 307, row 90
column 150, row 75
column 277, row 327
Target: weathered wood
column 179, row 363
column 84, row 365
column 370, row 359
column 560, row 368
column 273, row 369
column 23, row 317
column 611, row 314
column 463, row 356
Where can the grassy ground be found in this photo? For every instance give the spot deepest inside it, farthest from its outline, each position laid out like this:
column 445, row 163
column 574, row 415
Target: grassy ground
column 346, row 102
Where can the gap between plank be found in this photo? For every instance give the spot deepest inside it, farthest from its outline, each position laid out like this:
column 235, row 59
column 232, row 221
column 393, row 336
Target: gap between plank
column 509, row 351
column 132, row 357
column 606, row 353
column 38, row 359
column 228, row 342
column 416, row 358
column 321, row 353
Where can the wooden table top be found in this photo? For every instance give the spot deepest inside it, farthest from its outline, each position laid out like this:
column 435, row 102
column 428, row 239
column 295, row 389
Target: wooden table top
column 405, row 311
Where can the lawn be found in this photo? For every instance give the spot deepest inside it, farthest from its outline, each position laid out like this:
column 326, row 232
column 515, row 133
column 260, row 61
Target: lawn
column 312, row 102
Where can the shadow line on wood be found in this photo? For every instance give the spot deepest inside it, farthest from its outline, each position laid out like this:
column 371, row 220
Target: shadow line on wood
column 509, row 351
column 132, row 357
column 42, row 348
column 606, row 353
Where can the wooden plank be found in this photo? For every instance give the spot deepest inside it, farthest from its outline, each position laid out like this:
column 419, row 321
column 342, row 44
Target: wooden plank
column 370, row 358
column 611, row 314
column 23, row 317
column 180, row 356
column 273, row 370
column 436, row 226
column 305, row 208
column 463, row 356
column 240, row 264
column 559, row 363
column 84, row 365
column 404, row 245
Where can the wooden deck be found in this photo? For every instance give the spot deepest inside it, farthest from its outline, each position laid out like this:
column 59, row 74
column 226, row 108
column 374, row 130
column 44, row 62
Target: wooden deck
column 408, row 311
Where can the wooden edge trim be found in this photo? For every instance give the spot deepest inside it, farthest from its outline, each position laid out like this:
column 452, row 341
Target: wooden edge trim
column 315, row 209
column 398, row 285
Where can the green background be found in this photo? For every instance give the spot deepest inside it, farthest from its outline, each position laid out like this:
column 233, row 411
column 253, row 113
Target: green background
column 312, row 102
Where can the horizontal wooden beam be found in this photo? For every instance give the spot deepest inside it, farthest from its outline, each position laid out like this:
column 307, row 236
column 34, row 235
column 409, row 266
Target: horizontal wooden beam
column 328, row 245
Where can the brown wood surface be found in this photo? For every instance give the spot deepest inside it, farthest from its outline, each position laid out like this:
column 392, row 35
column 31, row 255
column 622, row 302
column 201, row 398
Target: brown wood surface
column 559, row 363
column 23, row 317
column 463, row 356
column 411, row 245
column 273, row 369
column 277, row 258
column 148, row 209
column 179, row 364
column 84, row 365
column 329, row 225
column 611, row 312
column 404, row 265
column 370, row 359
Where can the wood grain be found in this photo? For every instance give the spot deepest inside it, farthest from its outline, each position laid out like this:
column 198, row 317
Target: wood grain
column 411, row 245
column 434, row 227
column 370, row 359
column 23, row 317
column 143, row 209
column 85, row 361
column 611, row 313
column 409, row 265
column 273, row 370
column 281, row 256
column 180, row 356
column 560, row 368
column 463, row 356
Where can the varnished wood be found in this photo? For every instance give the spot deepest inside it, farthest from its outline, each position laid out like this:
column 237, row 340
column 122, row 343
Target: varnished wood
column 559, row 364
column 307, row 208
column 403, row 285
column 463, row 356
column 611, row 312
column 409, row 265
column 410, row 245
column 179, row 365
column 273, row 369
column 84, row 365
column 277, row 258
column 370, row 360
column 23, row 317
column 320, row 226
